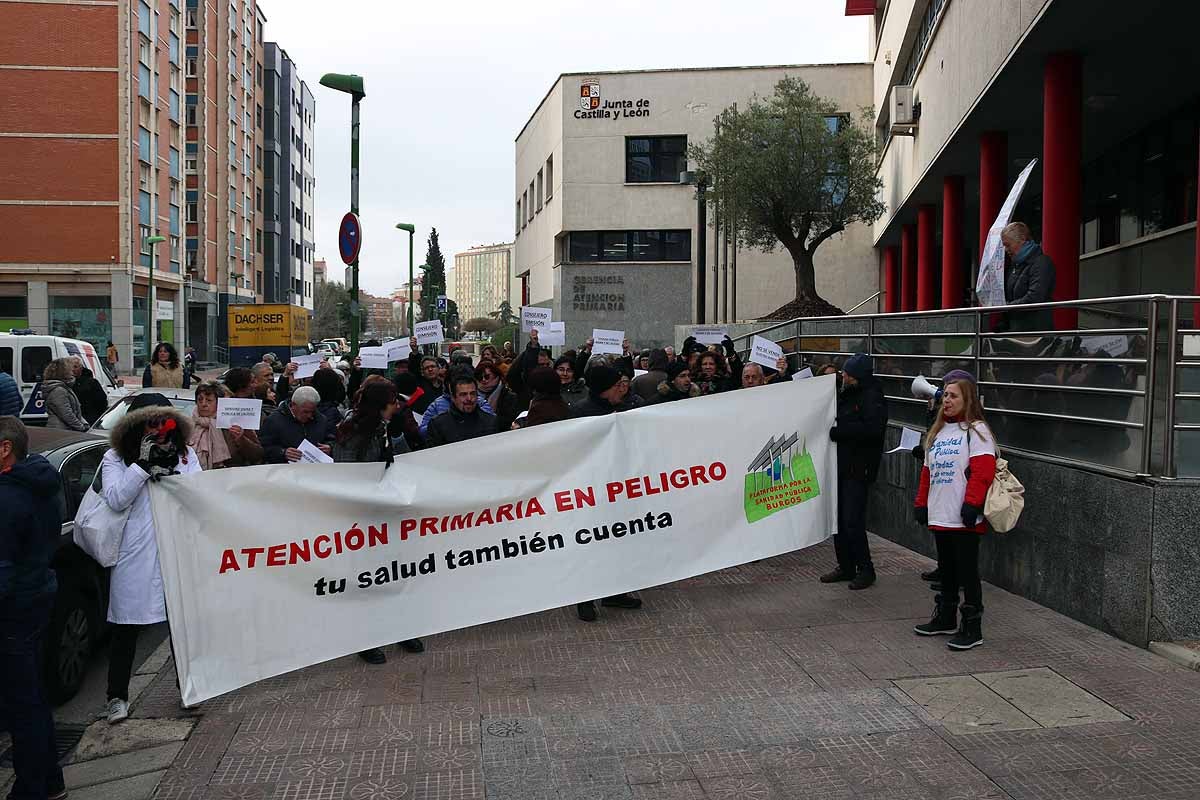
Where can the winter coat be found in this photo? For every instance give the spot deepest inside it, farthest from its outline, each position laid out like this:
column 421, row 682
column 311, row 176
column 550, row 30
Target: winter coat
column 859, row 433
column 281, row 431
column 455, row 426
column 177, row 378
column 505, row 405
column 135, row 593
column 10, row 396
column 596, row 406
column 518, row 375
column 63, row 406
column 574, row 392
column 364, row 447
column 92, row 399
column 30, row 519
column 244, row 452
column 647, row 386
column 668, row 392
column 1031, row 280
column 444, row 404
column 716, row 384
column 331, row 411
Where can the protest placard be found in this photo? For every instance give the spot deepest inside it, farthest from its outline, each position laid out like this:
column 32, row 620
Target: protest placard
column 398, row 349
column 607, row 342
column 908, row 440
column 616, row 503
column 373, row 357
column 311, row 454
column 802, row 374
column 709, row 334
column 765, row 352
column 237, row 411
column 429, row 332
column 534, row 317
column 308, row 365
column 553, row 334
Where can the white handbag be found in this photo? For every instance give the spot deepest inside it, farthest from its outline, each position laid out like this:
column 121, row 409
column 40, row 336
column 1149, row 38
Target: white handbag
column 1005, row 499
column 98, row 529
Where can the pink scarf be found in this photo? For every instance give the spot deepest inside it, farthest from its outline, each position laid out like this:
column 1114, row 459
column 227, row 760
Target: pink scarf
column 209, row 442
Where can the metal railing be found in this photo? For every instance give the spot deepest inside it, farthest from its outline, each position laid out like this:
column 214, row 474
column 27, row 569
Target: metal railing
column 1118, row 391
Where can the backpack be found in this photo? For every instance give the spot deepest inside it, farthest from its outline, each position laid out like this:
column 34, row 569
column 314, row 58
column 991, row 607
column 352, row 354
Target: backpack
column 1005, row 497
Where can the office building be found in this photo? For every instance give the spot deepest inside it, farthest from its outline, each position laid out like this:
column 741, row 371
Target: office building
column 288, row 205
column 91, row 156
column 320, row 272
column 1103, row 94
column 482, row 279
column 605, row 231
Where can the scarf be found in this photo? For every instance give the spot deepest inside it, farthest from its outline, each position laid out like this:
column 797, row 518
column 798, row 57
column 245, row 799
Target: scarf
column 209, row 442
column 165, row 377
column 1026, row 252
column 494, row 398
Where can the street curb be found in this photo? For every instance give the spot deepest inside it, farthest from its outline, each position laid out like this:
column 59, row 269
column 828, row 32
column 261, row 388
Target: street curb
column 1183, row 656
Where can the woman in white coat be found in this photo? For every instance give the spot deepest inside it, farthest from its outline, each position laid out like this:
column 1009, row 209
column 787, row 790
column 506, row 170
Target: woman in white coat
column 149, row 442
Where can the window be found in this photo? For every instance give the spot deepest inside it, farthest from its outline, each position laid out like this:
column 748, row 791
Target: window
column 173, row 105
column 655, row 159
column 144, row 52
column 518, row 216
column 190, row 110
column 671, row 245
column 33, row 363
column 525, row 204
column 144, row 81
column 549, row 177
column 144, row 153
column 540, row 189
column 191, row 211
column 190, row 67
column 145, row 21
column 192, row 17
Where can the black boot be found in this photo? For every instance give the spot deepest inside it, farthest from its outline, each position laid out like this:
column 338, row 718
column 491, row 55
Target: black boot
column 945, row 618
column 586, row 611
column 413, row 646
column 838, row 575
column 621, row 601
column 933, row 576
column 970, row 629
column 373, row 656
column 864, row 578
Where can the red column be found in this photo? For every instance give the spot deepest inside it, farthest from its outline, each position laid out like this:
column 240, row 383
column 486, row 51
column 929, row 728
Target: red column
column 1196, row 288
column 993, row 180
column 926, row 257
column 1062, row 137
column 953, row 269
column 908, row 268
column 891, row 279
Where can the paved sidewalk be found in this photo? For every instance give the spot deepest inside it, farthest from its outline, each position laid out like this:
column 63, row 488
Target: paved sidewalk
column 754, row 682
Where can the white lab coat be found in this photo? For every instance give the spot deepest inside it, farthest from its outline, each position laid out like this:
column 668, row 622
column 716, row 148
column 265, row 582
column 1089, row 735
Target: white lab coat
column 135, row 592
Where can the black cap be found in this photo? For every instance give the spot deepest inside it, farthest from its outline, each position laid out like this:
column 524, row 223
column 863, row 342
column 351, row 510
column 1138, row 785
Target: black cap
column 148, row 399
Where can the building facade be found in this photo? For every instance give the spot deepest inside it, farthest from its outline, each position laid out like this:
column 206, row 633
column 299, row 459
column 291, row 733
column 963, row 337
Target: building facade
column 482, row 280
column 224, row 175
column 91, row 154
column 1113, row 196
column 289, row 207
column 605, row 231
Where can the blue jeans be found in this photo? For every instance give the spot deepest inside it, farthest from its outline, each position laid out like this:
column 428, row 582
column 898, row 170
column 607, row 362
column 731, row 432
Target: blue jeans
column 23, row 704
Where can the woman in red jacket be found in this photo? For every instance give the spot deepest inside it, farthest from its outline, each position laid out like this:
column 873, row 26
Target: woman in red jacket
column 960, row 463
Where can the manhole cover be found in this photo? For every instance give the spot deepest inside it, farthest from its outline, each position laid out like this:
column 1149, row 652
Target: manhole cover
column 65, row 737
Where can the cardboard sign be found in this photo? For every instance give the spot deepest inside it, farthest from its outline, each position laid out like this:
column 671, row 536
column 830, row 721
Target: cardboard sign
column 374, row 357
column 311, row 454
column 554, row 333
column 1116, row 345
column 236, row 411
column 534, row 317
column 765, row 352
column 908, row 440
column 398, row 350
column 607, row 342
column 802, row 374
column 430, row 332
column 709, row 334
column 308, row 365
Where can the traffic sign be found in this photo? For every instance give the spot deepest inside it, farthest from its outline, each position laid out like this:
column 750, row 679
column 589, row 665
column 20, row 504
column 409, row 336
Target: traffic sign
column 441, row 304
column 349, row 238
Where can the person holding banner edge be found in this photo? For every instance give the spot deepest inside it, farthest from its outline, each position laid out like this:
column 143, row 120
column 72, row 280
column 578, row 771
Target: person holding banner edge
column 1031, row 279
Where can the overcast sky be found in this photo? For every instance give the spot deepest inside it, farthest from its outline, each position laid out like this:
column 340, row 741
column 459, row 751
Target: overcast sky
column 450, row 84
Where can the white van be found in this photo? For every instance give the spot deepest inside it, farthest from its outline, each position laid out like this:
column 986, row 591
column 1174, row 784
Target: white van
column 25, row 356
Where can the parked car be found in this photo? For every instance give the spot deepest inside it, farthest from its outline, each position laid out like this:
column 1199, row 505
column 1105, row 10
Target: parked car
column 183, row 399
column 81, row 605
column 25, row 356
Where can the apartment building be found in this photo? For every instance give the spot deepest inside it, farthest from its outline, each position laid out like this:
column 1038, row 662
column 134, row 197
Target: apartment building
column 91, row 154
column 482, row 279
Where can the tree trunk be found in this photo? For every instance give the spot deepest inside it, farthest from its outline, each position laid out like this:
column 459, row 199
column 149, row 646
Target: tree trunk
column 806, row 277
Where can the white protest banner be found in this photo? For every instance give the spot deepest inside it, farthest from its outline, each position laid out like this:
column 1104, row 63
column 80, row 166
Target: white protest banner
column 429, row 332
column 989, row 286
column 275, row 568
column 802, row 374
column 311, row 454
column 308, row 365
column 373, row 357
column 398, row 350
column 552, row 334
column 236, row 411
column 765, row 352
column 607, row 342
column 534, row 317
column 908, row 440
column 709, row 334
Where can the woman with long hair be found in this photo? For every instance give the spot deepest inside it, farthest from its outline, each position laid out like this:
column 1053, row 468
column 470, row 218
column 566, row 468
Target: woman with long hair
column 63, row 409
column 960, row 464
column 165, row 370
column 711, row 373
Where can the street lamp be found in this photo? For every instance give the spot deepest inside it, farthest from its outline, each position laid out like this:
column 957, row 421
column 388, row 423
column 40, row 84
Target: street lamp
column 412, row 229
column 353, row 86
column 151, row 333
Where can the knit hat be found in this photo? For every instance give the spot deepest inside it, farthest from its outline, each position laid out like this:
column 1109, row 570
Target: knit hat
column 658, row 359
column 858, row 366
column 675, row 367
column 543, row 380
column 148, row 399
column 601, row 378
column 460, row 357
column 958, row 375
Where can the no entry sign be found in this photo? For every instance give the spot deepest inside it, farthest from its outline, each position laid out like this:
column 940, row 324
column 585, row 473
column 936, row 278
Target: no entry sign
column 349, row 238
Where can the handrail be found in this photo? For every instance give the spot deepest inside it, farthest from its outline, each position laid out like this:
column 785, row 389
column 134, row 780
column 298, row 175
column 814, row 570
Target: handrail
column 863, row 303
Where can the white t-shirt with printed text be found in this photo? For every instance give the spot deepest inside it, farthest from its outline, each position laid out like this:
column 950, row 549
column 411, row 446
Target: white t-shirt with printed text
column 947, row 460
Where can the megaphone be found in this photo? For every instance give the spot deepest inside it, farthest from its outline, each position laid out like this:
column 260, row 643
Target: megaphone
column 923, row 389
